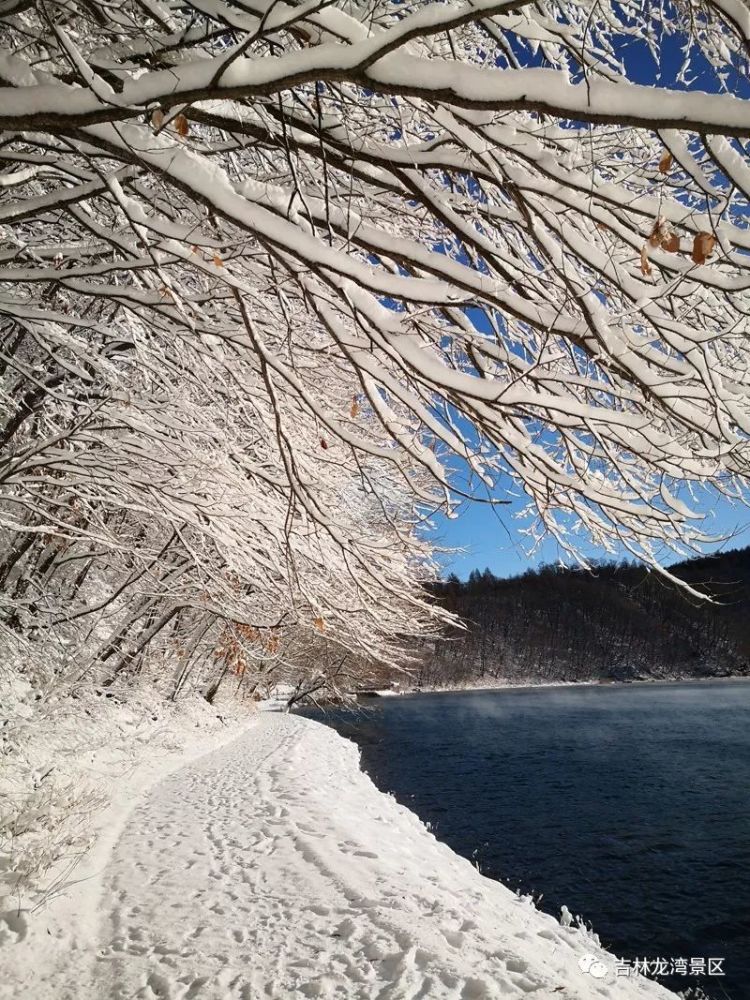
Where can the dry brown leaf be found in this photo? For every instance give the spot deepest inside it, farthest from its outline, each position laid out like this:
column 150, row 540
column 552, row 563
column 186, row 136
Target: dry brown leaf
column 665, row 163
column 354, row 409
column 671, row 243
column 645, row 266
column 320, row 625
column 323, row 444
column 181, row 124
column 703, row 246
column 656, row 235
column 157, row 118
column 218, row 261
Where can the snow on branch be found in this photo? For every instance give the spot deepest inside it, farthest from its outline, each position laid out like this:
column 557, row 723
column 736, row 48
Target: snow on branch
column 269, row 272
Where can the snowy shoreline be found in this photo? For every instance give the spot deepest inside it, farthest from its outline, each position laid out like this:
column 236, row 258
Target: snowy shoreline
column 274, row 867
column 507, row 686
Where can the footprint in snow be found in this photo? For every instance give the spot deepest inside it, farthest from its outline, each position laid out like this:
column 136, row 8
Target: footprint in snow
column 454, row 938
column 13, row 926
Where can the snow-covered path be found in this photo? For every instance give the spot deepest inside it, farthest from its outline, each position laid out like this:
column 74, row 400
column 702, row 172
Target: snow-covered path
column 273, row 868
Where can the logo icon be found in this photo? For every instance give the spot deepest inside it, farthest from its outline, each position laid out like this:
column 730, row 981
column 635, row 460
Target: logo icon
column 592, row 966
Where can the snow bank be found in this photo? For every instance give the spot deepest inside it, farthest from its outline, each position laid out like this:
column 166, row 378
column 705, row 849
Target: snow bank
column 73, row 766
column 273, row 867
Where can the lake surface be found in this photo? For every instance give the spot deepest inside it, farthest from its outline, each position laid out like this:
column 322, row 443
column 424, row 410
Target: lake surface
column 630, row 804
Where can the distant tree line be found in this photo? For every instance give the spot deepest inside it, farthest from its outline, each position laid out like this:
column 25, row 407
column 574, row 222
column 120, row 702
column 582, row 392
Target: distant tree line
column 619, row 622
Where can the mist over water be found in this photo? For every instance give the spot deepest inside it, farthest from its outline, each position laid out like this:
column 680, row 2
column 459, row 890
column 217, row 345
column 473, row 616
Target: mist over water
column 630, row 804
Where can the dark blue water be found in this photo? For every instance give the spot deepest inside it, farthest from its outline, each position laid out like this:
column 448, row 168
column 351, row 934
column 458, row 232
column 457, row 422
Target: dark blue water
column 630, row 804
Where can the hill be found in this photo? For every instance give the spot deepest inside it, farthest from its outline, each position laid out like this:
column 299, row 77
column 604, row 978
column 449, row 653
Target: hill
column 619, row 622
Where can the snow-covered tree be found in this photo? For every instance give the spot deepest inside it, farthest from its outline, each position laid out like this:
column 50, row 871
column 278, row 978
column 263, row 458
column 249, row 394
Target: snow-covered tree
column 269, row 271
column 156, row 503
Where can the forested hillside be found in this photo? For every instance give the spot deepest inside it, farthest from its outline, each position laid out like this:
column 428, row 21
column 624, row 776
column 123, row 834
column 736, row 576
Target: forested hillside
column 618, row 623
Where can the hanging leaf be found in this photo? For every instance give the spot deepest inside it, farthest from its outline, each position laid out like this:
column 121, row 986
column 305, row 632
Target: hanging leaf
column 671, row 243
column 665, row 163
column 181, row 124
column 354, row 408
column 703, row 246
column 320, row 625
column 157, row 118
column 645, row 266
column 324, row 444
column 218, row 261
column 659, row 232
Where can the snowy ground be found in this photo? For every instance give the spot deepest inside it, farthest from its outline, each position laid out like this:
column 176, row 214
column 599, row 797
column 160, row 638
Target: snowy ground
column 272, row 867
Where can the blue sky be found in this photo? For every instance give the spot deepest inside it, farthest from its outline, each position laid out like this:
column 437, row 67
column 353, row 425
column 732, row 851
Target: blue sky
column 491, row 538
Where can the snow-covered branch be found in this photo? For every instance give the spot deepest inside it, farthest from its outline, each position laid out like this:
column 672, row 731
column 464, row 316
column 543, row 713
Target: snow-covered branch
column 269, row 271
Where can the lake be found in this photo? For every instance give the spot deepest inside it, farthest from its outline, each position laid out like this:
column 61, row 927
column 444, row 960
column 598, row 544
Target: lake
column 628, row 803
